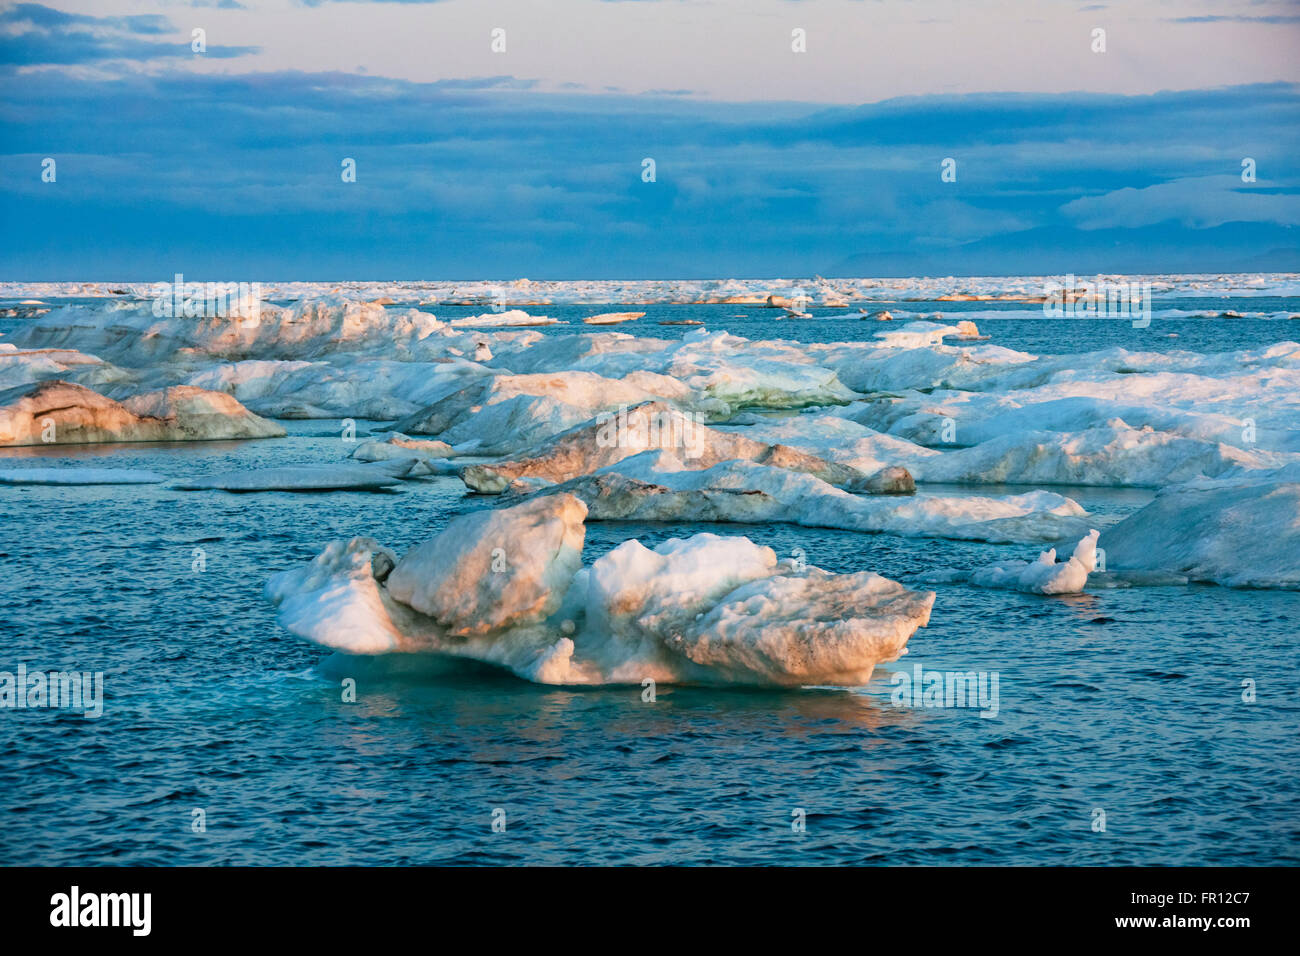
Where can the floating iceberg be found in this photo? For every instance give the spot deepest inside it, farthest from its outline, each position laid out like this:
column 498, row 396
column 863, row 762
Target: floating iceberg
column 128, row 333
column 27, row 366
column 613, row 318
column 1112, row 455
column 705, row 609
column 346, row 387
column 510, row 413
column 493, row 569
column 510, row 318
column 839, row 439
column 916, row 335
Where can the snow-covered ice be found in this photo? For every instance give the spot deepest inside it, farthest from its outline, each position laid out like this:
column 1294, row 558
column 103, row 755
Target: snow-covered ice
column 810, row 433
column 1238, row 533
column 705, row 609
column 653, row 486
column 61, row 413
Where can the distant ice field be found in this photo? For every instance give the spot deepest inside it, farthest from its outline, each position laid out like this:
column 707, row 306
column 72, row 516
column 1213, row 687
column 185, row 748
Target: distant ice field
column 1192, row 324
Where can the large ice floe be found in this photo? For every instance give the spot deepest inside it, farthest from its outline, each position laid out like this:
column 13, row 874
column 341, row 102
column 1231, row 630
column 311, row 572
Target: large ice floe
column 1241, row 532
column 57, row 412
column 508, row 587
column 610, row 439
column 656, row 486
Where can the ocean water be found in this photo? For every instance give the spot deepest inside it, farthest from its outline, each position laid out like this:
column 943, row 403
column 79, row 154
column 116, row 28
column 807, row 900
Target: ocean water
column 1190, row 324
column 1122, row 701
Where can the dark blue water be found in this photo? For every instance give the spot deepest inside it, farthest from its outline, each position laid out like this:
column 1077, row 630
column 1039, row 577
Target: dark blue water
column 1016, row 325
column 1122, row 700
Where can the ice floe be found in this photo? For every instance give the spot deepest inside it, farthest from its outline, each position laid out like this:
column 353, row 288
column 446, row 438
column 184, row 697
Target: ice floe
column 654, row 486
column 507, row 587
column 1238, row 533
column 339, row 477
column 613, row 318
column 694, row 291
column 78, row 476
column 401, row 447
column 507, row 319
column 811, row 433
column 655, row 425
column 507, row 414
column 60, row 413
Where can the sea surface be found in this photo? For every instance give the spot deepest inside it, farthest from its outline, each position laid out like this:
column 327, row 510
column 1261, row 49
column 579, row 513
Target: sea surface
column 1125, row 702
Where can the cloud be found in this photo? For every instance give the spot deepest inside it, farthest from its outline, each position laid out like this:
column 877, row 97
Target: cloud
column 317, row 3
column 1268, row 18
column 38, row 35
column 487, row 176
column 47, row 18
column 1201, row 202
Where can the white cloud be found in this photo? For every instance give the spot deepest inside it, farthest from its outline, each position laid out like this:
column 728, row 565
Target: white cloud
column 1199, row 202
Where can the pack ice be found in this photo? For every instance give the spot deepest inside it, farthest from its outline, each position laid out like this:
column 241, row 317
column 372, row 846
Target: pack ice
column 831, row 434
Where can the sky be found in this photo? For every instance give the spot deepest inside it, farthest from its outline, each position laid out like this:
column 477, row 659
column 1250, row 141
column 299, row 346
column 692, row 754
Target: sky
column 788, row 138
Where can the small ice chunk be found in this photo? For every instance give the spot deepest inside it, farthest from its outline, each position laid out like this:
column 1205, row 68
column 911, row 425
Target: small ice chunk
column 344, row 477
column 78, row 476
column 1044, row 576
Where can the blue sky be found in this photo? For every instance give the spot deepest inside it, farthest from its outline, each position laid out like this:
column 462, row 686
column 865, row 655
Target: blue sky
column 226, row 164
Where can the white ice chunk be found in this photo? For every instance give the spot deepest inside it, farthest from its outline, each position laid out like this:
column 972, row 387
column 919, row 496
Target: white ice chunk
column 705, row 609
column 510, row 318
column 335, row 600
column 490, row 569
column 1044, row 576
column 654, row 486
